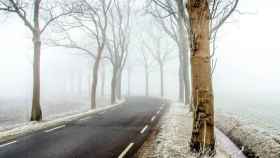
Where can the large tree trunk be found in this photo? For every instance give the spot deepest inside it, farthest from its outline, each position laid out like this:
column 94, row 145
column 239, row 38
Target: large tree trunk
column 95, row 78
column 113, row 86
column 161, row 80
column 203, row 124
column 36, row 113
column 146, row 81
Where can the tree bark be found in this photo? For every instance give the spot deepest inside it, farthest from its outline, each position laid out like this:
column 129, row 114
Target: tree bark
column 161, row 80
column 36, row 113
column 203, row 123
column 95, row 77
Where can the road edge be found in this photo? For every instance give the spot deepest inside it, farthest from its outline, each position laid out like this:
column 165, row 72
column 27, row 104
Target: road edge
column 34, row 126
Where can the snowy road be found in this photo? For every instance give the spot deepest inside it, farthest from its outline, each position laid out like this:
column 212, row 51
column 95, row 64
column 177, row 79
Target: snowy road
column 117, row 132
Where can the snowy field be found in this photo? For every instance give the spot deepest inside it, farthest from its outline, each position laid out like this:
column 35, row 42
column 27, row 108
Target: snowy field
column 264, row 117
column 14, row 112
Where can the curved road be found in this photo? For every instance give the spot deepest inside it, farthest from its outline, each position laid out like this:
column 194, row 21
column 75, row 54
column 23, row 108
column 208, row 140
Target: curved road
column 117, row 132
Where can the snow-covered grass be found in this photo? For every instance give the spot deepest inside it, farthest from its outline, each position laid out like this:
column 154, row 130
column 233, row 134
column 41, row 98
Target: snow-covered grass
column 170, row 139
column 35, row 126
column 256, row 142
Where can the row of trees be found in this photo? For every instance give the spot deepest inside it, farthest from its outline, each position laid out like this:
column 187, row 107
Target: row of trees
column 105, row 24
column 193, row 25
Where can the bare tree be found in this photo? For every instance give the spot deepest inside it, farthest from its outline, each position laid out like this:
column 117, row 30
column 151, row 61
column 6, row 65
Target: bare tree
column 50, row 13
column 91, row 19
column 147, row 62
column 167, row 14
column 161, row 55
column 118, row 44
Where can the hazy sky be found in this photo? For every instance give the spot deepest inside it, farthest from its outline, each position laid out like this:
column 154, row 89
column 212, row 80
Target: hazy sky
column 248, row 58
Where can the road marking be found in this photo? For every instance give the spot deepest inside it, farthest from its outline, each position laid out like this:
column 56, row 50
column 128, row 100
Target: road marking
column 144, row 129
column 158, row 112
column 6, row 144
column 49, row 130
column 153, row 118
column 86, row 118
column 126, row 150
column 103, row 112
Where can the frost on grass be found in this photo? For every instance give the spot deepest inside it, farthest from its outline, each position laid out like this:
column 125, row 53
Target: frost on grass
column 256, row 141
column 170, row 139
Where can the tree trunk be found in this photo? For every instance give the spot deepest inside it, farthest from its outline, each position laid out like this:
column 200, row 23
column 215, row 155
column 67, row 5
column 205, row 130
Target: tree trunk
column 181, row 83
column 95, row 78
column 183, row 50
column 119, row 85
column 113, row 86
column 146, row 81
column 128, row 81
column 203, row 124
column 161, row 80
column 36, row 113
column 103, row 80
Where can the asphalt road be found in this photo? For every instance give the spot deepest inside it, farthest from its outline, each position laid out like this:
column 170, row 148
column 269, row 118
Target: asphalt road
column 114, row 133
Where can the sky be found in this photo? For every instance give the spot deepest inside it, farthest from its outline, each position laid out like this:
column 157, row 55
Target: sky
column 247, row 67
column 248, row 59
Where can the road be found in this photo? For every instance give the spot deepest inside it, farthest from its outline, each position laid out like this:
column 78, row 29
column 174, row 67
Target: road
column 117, row 132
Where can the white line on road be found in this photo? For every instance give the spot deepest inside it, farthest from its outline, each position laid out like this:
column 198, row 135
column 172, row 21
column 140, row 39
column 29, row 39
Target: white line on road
column 144, row 129
column 6, row 144
column 86, row 118
column 103, row 112
column 49, row 130
column 126, row 150
column 153, row 118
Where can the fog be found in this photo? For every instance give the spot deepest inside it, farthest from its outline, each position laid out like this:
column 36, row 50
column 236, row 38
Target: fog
column 245, row 79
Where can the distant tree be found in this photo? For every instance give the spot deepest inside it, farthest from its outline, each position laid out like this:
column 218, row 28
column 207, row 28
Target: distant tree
column 172, row 24
column 118, row 43
column 161, row 55
column 147, row 62
column 91, row 20
column 42, row 14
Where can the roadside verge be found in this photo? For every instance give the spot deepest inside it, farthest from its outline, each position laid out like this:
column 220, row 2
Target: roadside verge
column 170, row 138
